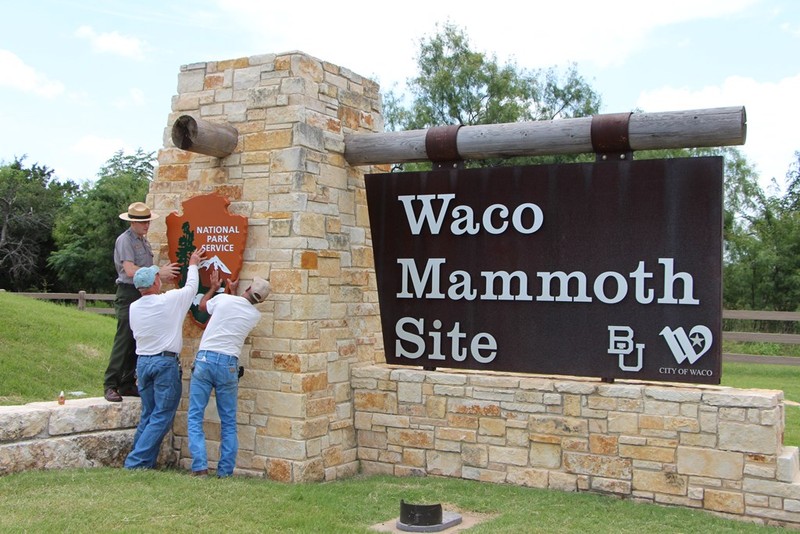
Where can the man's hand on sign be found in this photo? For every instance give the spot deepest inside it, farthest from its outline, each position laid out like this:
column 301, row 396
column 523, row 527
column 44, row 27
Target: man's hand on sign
column 216, row 283
column 196, row 257
column 169, row 272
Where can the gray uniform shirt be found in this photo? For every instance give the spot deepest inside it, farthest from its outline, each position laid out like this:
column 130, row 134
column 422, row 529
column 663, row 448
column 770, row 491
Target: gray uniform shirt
column 130, row 247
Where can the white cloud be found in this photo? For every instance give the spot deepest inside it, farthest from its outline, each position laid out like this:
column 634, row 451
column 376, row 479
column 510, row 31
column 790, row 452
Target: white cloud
column 134, row 99
column 771, row 127
column 601, row 33
column 137, row 96
column 541, row 35
column 113, row 43
column 80, row 98
column 92, row 152
column 16, row 74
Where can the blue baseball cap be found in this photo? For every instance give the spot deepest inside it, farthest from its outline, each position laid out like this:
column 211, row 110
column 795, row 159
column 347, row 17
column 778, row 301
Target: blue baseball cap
column 145, row 277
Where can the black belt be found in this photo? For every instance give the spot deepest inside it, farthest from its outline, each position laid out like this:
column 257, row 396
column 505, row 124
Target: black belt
column 167, row 353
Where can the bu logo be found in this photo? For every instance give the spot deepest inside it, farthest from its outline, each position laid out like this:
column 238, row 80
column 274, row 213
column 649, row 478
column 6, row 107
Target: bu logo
column 689, row 347
column 620, row 342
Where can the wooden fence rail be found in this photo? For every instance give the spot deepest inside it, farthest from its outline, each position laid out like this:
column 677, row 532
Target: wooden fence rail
column 81, row 296
column 750, row 315
column 789, row 339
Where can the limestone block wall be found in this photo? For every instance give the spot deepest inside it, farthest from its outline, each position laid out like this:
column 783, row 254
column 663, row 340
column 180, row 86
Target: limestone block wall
column 307, row 233
column 88, row 432
column 712, row 448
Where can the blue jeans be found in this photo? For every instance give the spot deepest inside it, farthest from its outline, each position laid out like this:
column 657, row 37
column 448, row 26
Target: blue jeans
column 160, row 390
column 213, row 370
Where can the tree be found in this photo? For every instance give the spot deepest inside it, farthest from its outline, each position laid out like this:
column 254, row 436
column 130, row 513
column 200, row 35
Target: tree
column 793, row 184
column 86, row 233
column 458, row 86
column 138, row 165
column 30, row 199
column 763, row 268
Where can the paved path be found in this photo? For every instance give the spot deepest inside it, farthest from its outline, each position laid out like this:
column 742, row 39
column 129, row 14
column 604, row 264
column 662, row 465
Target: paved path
column 750, row 358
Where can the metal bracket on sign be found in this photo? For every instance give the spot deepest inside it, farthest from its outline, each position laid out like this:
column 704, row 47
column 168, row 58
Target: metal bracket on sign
column 611, row 138
column 442, row 149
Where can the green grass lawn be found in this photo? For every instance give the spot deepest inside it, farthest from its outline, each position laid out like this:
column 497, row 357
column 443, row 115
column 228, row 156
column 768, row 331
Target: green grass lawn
column 114, row 500
column 46, row 348
column 764, row 349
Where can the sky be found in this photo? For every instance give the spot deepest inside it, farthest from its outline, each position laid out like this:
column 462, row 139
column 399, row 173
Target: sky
column 83, row 79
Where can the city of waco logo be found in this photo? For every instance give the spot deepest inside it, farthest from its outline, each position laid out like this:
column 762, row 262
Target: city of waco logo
column 207, row 225
column 688, row 347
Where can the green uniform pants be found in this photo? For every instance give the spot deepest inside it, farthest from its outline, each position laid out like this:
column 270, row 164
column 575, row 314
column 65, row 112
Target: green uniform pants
column 121, row 370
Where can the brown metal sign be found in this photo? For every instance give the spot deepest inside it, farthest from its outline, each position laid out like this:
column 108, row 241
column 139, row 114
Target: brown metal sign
column 609, row 270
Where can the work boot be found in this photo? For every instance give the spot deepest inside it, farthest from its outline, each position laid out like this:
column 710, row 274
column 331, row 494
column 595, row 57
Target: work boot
column 111, row 395
column 130, row 391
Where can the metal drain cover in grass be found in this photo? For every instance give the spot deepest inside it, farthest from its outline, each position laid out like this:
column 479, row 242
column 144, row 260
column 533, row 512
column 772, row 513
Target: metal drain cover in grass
column 425, row 518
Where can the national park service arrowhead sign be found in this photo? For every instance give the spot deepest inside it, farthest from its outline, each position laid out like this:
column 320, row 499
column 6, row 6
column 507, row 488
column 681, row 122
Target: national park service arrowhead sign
column 207, row 225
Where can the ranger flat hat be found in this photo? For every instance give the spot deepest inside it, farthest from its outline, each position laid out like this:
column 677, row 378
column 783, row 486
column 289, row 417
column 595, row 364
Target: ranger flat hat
column 138, row 212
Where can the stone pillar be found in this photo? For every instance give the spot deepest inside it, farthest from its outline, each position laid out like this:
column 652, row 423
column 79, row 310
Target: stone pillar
column 308, row 232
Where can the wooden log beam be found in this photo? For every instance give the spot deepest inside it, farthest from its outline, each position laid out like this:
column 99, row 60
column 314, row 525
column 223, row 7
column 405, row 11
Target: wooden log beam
column 203, row 137
column 672, row 129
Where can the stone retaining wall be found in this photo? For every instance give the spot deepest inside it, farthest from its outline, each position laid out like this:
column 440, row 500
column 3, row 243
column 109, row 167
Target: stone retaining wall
column 81, row 433
column 713, row 448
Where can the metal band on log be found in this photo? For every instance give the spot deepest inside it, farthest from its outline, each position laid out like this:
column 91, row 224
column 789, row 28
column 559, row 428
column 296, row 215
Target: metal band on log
column 203, row 137
column 646, row 131
column 441, row 145
column 610, row 134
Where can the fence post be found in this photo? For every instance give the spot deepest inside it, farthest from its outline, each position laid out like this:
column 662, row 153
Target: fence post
column 81, row 300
